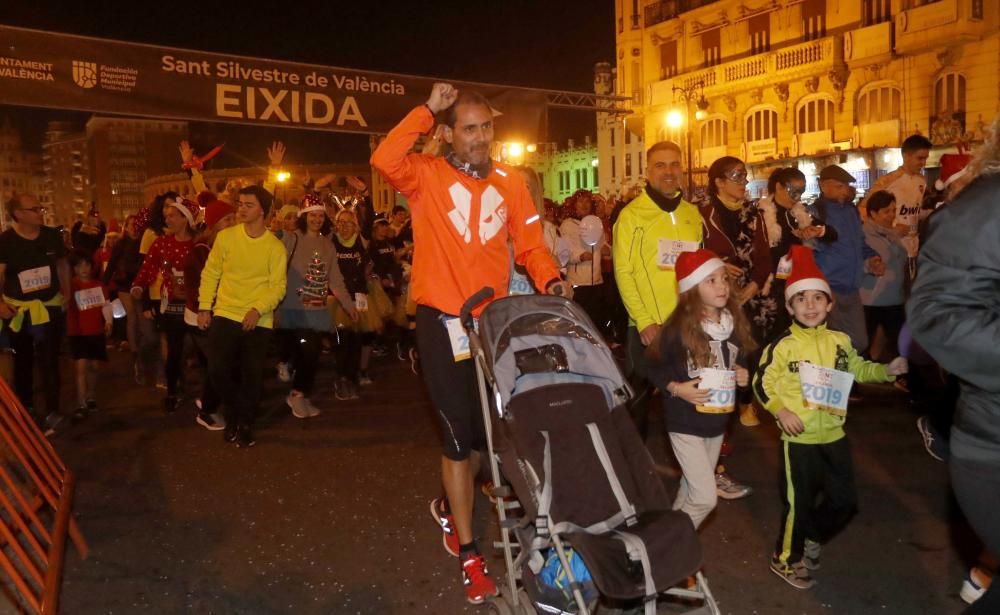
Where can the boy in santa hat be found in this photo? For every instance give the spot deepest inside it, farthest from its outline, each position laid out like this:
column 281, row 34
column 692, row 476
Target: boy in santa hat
column 804, row 379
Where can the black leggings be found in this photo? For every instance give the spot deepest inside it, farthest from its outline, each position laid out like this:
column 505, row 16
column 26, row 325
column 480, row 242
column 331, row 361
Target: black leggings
column 174, row 328
column 303, row 353
column 44, row 340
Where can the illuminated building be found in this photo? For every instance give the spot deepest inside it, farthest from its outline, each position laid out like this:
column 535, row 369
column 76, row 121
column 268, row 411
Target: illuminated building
column 811, row 82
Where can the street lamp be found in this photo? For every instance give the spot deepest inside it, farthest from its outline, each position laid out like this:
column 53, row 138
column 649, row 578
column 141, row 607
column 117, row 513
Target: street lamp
column 691, row 93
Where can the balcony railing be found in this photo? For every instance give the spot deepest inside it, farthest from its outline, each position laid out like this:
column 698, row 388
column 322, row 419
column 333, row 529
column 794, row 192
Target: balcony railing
column 665, row 10
column 813, row 57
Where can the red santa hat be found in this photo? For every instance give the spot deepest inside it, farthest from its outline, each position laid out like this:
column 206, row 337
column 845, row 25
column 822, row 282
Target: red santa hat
column 310, row 202
column 805, row 274
column 217, row 210
column 693, row 267
column 187, row 207
column 953, row 166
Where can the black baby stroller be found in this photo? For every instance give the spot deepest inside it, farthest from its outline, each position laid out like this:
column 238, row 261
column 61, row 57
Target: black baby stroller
column 585, row 485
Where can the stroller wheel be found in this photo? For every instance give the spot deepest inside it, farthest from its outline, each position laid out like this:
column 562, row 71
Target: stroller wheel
column 524, row 604
column 499, row 606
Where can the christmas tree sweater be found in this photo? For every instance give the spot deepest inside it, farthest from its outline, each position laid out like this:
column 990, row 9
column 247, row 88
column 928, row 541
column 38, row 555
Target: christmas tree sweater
column 312, row 270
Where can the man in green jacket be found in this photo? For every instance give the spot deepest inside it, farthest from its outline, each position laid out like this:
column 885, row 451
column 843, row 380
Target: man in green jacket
column 650, row 233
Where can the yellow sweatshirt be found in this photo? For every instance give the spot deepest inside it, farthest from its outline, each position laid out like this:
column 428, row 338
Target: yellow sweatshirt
column 243, row 273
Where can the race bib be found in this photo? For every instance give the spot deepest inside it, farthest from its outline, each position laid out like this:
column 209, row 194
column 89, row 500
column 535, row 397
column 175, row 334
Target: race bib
column 519, row 285
column 33, row 280
column 459, row 339
column 89, row 297
column 825, row 389
column 667, row 251
column 361, row 302
column 784, row 268
column 721, row 384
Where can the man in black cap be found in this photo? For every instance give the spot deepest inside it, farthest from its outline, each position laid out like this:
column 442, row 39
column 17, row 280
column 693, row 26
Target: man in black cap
column 844, row 261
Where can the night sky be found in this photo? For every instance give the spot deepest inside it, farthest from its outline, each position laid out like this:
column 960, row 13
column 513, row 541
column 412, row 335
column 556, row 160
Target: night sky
column 536, row 43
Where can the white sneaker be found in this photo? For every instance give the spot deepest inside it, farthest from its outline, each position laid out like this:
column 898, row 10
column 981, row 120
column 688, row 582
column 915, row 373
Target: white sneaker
column 973, row 586
column 299, row 406
column 284, row 374
column 728, row 489
column 313, row 410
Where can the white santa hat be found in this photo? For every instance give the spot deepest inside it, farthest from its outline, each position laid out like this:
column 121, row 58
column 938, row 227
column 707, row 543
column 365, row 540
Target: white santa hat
column 693, row 267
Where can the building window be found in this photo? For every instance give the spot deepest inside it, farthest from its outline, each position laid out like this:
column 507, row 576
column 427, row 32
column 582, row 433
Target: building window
column 635, row 14
column 668, row 59
column 762, row 124
column 711, row 47
column 949, row 94
column 715, row 133
column 977, row 9
column 879, row 104
column 813, row 19
column 628, row 136
column 594, row 176
column 760, row 33
column 628, row 165
column 614, row 169
column 612, row 137
column 636, row 82
column 815, row 116
column 876, row 11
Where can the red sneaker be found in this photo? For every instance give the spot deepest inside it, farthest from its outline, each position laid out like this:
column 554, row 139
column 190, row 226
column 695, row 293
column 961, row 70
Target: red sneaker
column 478, row 584
column 447, row 524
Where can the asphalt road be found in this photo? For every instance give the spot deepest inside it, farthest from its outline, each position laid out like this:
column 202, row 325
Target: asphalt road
column 329, row 515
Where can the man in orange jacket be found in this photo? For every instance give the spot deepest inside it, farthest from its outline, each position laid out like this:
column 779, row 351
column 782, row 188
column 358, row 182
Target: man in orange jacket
column 465, row 210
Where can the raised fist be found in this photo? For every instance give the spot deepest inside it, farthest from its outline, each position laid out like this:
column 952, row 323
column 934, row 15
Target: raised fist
column 443, row 95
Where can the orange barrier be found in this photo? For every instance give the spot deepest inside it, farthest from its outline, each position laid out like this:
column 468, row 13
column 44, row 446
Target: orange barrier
column 36, row 501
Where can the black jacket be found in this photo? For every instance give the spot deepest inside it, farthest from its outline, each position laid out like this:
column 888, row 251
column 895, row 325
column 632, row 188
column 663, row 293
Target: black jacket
column 954, row 311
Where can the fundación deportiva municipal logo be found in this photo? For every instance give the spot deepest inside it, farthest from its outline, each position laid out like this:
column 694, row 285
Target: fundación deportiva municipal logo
column 85, row 74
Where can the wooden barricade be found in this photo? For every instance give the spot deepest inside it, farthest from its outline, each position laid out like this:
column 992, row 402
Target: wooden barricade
column 36, row 498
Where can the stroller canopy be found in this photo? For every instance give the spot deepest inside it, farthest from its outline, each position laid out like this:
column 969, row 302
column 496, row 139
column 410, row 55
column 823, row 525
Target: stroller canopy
column 534, row 340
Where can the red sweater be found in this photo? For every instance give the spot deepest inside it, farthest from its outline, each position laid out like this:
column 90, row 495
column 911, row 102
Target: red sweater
column 85, row 314
column 167, row 256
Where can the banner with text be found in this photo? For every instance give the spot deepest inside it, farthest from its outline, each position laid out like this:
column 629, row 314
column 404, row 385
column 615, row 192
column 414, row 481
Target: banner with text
column 45, row 69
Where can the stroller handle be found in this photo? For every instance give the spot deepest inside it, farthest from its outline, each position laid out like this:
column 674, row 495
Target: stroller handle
column 465, row 315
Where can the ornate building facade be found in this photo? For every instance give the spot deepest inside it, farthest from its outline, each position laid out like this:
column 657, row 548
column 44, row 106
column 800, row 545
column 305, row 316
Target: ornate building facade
column 809, row 82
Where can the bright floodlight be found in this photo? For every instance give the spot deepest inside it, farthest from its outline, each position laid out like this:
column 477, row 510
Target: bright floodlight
column 515, row 150
column 532, row 148
column 700, row 114
column 283, row 176
column 675, row 119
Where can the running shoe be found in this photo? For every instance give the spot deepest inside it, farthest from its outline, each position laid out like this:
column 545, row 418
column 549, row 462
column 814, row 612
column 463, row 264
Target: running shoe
column 476, row 579
column 364, row 379
column 748, row 415
column 974, row 585
column 935, row 446
column 795, row 574
column 342, row 389
column 810, row 554
column 211, row 422
column 728, row 489
column 244, row 437
column 414, row 361
column 313, row 410
column 299, row 406
column 284, row 374
column 447, row 524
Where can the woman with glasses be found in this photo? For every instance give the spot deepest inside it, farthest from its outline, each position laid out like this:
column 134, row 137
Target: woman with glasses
column 788, row 221
column 734, row 229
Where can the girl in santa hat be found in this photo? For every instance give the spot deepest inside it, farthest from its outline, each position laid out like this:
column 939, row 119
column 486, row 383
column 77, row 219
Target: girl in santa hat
column 698, row 361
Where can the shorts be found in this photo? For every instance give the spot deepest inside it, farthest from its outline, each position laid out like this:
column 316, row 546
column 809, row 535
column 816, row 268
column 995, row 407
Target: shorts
column 88, row 347
column 453, row 387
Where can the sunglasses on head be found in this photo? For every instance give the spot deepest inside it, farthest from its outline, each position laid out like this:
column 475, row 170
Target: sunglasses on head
column 737, row 176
